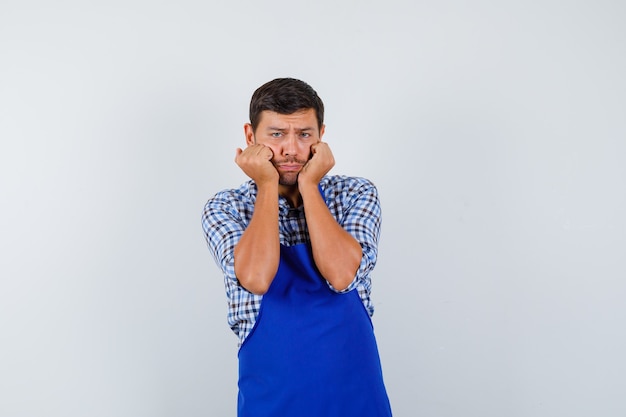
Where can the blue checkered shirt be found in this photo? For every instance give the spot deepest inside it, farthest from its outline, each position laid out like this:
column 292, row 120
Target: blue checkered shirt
column 352, row 201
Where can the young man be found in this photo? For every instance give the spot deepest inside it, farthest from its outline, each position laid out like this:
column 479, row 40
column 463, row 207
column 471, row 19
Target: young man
column 297, row 248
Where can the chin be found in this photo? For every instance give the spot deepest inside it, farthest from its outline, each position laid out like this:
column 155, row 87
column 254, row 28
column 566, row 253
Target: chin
column 288, row 179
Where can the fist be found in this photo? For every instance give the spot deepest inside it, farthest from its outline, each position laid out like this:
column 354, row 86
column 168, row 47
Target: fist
column 322, row 161
column 256, row 162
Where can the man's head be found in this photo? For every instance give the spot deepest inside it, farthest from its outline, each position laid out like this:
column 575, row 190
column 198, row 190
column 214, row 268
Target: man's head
column 286, row 116
column 285, row 96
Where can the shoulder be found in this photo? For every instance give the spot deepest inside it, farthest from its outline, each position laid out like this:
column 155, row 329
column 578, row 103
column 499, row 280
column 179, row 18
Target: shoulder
column 236, row 201
column 354, row 203
column 245, row 193
column 346, row 195
column 347, row 186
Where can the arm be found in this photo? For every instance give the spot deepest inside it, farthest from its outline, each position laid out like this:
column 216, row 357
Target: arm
column 257, row 254
column 337, row 254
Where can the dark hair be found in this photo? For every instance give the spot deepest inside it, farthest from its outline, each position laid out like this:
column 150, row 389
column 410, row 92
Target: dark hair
column 285, row 96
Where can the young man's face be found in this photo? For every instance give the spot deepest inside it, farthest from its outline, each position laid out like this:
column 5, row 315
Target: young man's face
column 290, row 137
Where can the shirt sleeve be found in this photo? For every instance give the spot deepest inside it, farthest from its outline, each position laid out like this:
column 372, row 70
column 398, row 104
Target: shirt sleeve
column 223, row 227
column 224, row 219
column 362, row 218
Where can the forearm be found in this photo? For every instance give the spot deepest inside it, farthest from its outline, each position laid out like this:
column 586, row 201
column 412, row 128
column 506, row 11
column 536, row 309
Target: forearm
column 257, row 253
column 336, row 253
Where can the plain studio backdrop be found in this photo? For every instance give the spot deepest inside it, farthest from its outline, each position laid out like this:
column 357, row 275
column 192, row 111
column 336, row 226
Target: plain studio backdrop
column 494, row 130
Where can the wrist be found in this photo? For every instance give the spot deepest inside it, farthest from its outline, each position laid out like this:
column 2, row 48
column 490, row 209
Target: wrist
column 270, row 186
column 309, row 192
column 305, row 185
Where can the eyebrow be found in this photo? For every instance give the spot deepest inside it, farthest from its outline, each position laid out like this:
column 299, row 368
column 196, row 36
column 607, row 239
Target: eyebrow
column 280, row 129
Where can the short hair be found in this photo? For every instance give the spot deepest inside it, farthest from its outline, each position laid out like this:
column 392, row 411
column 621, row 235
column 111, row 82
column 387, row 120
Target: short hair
column 285, row 96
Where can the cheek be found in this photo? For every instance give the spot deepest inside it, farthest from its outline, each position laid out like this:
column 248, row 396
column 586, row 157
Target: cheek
column 305, row 149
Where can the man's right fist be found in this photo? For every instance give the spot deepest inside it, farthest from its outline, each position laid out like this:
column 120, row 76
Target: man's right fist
column 256, row 162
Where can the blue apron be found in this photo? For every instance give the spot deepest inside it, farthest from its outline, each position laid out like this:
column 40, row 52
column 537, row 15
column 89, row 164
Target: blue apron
column 312, row 352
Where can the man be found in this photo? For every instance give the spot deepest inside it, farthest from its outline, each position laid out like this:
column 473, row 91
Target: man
column 297, row 247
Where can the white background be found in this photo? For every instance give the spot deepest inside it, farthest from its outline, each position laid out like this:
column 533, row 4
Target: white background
column 494, row 130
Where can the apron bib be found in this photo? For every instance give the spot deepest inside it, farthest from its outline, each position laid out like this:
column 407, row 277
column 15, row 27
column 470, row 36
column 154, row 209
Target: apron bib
column 312, row 352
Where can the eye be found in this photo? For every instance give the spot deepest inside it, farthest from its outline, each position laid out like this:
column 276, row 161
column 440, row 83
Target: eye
column 305, row 135
column 276, row 134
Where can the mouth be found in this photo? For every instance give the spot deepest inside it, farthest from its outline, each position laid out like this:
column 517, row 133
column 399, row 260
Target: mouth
column 290, row 166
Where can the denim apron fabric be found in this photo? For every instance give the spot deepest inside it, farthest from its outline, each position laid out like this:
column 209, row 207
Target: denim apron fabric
column 312, row 352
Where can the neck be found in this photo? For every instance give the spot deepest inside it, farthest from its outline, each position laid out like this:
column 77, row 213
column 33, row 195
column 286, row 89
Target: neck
column 292, row 194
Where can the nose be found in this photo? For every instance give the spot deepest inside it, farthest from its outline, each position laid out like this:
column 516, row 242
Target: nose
column 289, row 145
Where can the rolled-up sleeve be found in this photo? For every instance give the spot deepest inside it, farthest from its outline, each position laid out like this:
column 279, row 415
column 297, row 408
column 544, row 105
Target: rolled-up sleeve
column 361, row 217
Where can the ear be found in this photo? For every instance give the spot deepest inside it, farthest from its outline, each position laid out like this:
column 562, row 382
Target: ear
column 322, row 129
column 247, row 129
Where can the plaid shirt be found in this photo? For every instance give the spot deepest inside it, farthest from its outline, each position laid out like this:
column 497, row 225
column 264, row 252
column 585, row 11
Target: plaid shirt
column 352, row 201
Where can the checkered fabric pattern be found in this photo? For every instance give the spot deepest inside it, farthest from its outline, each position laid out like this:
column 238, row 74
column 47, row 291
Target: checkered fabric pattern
column 352, row 201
